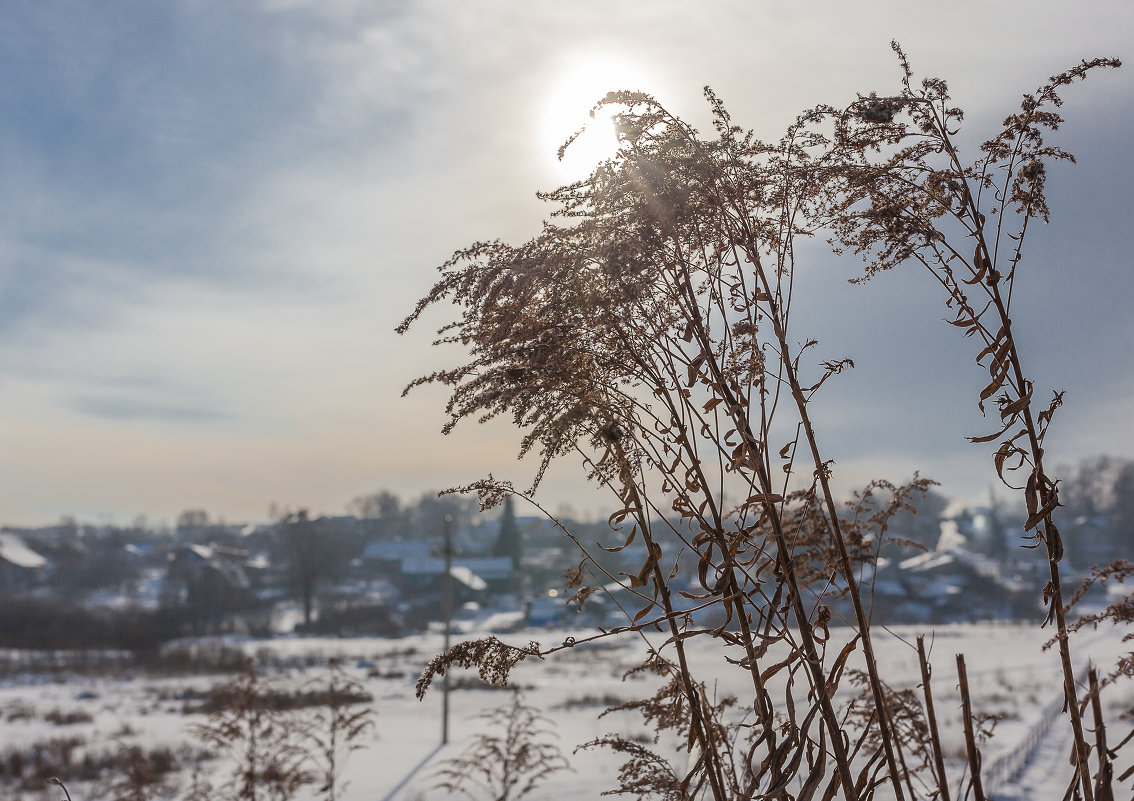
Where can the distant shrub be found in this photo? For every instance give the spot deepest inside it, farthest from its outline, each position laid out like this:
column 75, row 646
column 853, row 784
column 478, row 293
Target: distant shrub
column 68, row 718
column 263, row 747
column 196, row 656
column 354, row 620
column 588, row 700
column 26, row 767
column 226, row 695
column 55, row 624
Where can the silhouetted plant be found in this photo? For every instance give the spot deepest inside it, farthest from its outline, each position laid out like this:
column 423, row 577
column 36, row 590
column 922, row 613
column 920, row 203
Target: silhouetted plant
column 264, row 747
column 58, row 783
column 646, row 774
column 200, row 786
column 335, row 728
column 144, row 777
column 511, row 756
column 650, row 335
column 492, row 658
column 647, row 331
column 904, row 193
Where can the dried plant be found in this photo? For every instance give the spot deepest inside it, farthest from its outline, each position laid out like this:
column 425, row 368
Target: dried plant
column 200, row 787
column 511, row 756
column 59, row 783
column 275, row 742
column 263, row 745
column 647, row 330
column 493, row 660
column 141, row 779
column 902, row 192
column 648, row 774
column 335, row 728
column 650, row 335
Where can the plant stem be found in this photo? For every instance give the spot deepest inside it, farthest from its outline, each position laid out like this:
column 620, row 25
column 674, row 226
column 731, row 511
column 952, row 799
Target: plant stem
column 970, row 737
column 931, row 720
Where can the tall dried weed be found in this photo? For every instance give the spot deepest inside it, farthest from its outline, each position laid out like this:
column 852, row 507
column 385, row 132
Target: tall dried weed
column 647, row 330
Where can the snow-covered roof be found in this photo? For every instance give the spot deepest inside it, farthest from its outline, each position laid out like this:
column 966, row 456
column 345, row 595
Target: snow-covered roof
column 203, row 551
column 13, row 550
column 259, row 562
column 468, row 578
column 927, row 561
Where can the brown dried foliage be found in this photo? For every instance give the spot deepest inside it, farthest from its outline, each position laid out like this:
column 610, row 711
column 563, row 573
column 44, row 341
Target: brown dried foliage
column 266, row 751
column 509, row 757
column 335, row 728
column 492, row 658
column 274, row 748
column 647, row 330
column 899, row 191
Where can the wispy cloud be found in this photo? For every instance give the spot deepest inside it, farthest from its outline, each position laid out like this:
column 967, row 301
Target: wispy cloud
column 125, row 408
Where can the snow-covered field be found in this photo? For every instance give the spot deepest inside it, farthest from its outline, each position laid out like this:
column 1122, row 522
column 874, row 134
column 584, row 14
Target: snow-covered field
column 1009, row 673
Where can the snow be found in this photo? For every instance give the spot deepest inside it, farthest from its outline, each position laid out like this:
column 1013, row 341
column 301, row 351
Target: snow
column 1009, row 674
column 929, row 560
column 203, row 551
column 468, row 578
column 496, row 622
column 13, row 549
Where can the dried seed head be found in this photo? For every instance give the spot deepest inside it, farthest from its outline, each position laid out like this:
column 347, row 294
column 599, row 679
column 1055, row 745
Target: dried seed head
column 879, row 110
column 493, row 660
column 743, row 328
column 574, row 576
column 1032, row 171
column 580, row 596
column 612, row 432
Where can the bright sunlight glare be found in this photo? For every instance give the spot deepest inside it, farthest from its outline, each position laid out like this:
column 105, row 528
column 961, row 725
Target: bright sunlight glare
column 584, row 81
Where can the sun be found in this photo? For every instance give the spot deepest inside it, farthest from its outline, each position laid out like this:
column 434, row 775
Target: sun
column 582, row 82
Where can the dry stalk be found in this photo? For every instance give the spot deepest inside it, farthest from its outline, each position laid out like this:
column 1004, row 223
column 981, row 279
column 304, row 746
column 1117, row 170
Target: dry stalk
column 931, row 720
column 901, row 192
column 972, row 753
column 647, row 329
column 507, row 760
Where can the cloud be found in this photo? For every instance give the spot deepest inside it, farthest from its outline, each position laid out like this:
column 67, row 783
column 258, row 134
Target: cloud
column 124, row 408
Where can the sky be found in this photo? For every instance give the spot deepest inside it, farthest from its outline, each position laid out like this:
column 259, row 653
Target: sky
column 213, row 214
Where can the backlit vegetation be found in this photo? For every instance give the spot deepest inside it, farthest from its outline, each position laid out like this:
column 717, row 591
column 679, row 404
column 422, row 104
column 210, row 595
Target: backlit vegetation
column 648, row 331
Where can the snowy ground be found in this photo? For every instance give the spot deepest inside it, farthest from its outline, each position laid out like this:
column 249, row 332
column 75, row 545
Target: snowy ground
column 1010, row 675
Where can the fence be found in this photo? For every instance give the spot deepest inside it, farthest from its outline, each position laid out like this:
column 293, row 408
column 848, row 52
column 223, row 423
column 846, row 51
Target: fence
column 1007, row 769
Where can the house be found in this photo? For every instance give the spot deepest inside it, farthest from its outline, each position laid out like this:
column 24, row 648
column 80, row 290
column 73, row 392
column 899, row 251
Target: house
column 385, row 558
column 479, row 574
column 948, row 585
column 207, row 580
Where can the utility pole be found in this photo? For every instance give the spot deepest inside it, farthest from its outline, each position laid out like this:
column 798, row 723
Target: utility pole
column 448, row 612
